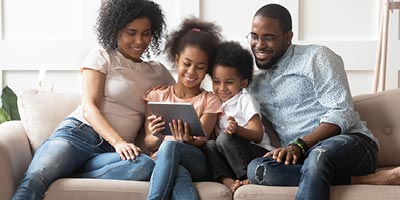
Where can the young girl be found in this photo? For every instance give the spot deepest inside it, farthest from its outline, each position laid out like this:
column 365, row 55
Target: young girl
column 178, row 158
column 97, row 139
column 240, row 134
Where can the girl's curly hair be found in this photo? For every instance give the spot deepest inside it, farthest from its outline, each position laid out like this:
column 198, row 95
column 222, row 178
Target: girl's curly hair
column 114, row 15
column 193, row 32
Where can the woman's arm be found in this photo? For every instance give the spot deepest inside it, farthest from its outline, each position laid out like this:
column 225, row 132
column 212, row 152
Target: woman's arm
column 93, row 83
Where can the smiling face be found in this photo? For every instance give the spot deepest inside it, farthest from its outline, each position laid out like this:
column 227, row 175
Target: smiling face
column 192, row 65
column 134, row 39
column 272, row 43
column 227, row 82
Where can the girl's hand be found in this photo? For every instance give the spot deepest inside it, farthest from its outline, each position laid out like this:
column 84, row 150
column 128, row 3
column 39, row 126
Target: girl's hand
column 127, row 151
column 231, row 127
column 180, row 130
column 156, row 125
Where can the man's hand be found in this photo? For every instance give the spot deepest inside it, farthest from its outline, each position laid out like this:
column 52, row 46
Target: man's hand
column 290, row 154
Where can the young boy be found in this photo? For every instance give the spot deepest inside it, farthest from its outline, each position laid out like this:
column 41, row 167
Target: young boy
column 240, row 133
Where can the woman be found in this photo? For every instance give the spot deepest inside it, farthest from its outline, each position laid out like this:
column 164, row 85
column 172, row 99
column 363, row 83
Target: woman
column 97, row 139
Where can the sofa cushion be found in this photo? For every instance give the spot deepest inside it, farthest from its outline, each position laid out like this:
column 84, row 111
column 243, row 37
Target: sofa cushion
column 99, row 189
column 381, row 111
column 42, row 111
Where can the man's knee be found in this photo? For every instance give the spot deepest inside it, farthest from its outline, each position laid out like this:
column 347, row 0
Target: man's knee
column 256, row 171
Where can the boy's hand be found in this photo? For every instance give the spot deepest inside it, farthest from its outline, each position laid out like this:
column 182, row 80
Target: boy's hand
column 231, row 127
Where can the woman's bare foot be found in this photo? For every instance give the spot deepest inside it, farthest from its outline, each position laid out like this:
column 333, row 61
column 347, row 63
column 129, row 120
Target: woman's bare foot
column 383, row 177
column 231, row 184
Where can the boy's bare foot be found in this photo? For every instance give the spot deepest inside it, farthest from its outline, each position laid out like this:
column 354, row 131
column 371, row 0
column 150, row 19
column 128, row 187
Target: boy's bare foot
column 383, row 177
column 245, row 182
column 231, row 184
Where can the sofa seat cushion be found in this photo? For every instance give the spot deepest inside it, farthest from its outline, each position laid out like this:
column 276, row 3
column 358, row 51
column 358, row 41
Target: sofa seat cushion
column 339, row 192
column 77, row 189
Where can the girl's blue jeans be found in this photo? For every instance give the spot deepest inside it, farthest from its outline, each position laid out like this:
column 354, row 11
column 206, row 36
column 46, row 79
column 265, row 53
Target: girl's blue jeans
column 177, row 165
column 76, row 150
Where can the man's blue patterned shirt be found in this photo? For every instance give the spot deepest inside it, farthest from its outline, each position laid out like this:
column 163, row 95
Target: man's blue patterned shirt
column 306, row 87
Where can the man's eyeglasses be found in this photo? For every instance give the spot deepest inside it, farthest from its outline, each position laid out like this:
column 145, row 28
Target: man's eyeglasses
column 254, row 39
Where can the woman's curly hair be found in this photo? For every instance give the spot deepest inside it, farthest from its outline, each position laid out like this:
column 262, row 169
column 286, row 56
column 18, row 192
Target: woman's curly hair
column 196, row 33
column 114, row 15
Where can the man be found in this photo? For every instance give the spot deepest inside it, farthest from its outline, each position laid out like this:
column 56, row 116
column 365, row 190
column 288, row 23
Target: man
column 303, row 91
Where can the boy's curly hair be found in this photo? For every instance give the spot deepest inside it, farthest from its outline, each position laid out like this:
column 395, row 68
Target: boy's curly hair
column 114, row 15
column 232, row 54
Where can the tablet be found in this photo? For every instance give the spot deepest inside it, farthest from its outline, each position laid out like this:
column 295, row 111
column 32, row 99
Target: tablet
column 184, row 111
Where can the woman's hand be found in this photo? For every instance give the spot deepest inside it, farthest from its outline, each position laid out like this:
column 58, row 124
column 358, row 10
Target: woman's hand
column 290, row 154
column 157, row 87
column 127, row 151
column 180, row 130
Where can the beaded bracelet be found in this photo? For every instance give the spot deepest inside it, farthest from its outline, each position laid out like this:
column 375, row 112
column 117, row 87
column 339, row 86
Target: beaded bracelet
column 300, row 144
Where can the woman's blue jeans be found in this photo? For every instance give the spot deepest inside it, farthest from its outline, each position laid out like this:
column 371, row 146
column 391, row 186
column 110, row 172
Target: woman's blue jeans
column 332, row 161
column 76, row 150
column 177, row 165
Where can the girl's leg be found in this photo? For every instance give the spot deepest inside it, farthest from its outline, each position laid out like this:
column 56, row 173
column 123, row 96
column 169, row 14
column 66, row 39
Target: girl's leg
column 163, row 176
column 183, row 186
column 110, row 166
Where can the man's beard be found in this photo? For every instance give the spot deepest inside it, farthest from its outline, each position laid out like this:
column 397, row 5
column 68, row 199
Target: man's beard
column 267, row 65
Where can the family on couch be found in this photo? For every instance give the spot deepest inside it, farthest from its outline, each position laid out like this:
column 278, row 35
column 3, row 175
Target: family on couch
column 302, row 90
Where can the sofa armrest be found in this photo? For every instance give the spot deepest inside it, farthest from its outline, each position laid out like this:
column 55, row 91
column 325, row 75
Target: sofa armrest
column 15, row 156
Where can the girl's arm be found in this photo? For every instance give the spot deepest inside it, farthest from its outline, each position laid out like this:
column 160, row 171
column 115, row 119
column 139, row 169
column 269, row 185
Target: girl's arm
column 93, row 83
column 253, row 132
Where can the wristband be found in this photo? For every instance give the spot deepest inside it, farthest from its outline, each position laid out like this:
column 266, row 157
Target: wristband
column 300, row 144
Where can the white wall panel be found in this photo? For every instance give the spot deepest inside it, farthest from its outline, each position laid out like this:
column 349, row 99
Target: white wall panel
column 60, row 33
column 339, row 20
column 44, row 20
column 233, row 15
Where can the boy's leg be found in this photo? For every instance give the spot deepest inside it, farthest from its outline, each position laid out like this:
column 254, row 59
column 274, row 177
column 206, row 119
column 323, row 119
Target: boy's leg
column 238, row 152
column 218, row 164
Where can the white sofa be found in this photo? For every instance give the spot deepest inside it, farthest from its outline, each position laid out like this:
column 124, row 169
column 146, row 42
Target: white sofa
column 42, row 111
